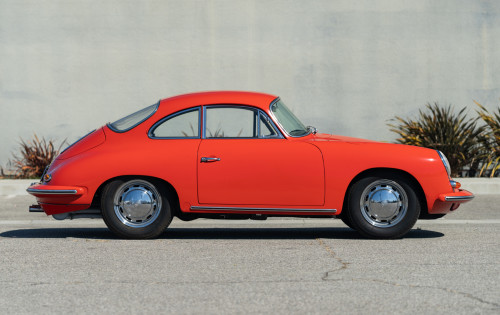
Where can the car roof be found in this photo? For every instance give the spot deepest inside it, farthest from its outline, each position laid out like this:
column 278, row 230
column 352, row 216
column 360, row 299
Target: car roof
column 256, row 99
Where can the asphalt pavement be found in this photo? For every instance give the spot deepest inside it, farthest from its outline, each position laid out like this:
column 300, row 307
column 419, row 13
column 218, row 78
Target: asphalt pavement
column 279, row 266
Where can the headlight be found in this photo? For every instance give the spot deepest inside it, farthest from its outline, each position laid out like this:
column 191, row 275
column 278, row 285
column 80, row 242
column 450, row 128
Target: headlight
column 445, row 162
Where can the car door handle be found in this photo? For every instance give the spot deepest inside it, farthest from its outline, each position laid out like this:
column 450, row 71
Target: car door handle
column 209, row 159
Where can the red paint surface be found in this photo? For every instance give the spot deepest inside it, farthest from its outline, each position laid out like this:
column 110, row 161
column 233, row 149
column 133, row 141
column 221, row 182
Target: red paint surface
column 309, row 172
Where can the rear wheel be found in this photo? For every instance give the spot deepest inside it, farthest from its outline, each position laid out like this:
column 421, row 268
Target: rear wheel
column 383, row 206
column 136, row 209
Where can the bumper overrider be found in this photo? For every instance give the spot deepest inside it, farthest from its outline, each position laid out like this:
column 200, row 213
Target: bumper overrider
column 57, row 199
column 457, row 197
column 451, row 201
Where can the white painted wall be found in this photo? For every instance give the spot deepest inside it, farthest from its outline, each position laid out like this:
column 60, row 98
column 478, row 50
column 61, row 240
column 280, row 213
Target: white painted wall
column 67, row 67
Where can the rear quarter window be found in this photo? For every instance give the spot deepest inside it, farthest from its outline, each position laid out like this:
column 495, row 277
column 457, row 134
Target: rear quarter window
column 133, row 120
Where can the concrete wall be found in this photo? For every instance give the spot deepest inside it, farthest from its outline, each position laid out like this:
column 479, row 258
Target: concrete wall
column 67, row 67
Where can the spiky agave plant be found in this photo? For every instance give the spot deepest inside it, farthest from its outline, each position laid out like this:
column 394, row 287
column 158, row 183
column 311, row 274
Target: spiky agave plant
column 490, row 141
column 442, row 129
column 34, row 156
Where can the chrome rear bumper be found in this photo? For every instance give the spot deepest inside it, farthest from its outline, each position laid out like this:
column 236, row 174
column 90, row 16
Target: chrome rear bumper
column 35, row 191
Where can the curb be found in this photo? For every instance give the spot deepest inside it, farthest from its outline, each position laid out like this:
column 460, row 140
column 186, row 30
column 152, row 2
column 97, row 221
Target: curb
column 15, row 187
column 479, row 186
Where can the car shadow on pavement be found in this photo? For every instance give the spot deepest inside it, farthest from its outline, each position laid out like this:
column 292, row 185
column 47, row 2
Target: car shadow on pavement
column 213, row 233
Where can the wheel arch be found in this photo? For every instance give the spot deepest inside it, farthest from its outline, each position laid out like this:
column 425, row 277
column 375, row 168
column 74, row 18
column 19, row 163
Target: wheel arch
column 395, row 172
column 170, row 191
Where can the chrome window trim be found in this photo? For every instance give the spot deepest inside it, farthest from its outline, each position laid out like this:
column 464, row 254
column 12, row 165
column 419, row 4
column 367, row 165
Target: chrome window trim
column 52, row 191
column 168, row 117
column 109, row 124
column 458, row 198
column 279, row 135
column 279, row 124
column 248, row 107
column 247, row 209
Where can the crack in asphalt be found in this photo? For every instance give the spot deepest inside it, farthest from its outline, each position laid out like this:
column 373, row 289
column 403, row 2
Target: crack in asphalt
column 324, row 278
column 344, row 265
column 331, row 252
column 414, row 286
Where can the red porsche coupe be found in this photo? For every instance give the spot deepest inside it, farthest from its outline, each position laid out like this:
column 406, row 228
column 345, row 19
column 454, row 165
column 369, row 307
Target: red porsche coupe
column 241, row 155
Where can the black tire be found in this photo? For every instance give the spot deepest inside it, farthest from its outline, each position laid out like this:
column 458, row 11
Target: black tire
column 344, row 216
column 383, row 207
column 136, row 208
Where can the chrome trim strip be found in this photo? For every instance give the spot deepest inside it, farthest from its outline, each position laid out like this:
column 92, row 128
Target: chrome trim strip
column 458, row 198
column 52, row 192
column 243, row 209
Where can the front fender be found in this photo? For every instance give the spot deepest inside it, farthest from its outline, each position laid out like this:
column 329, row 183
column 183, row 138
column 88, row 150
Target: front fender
column 344, row 161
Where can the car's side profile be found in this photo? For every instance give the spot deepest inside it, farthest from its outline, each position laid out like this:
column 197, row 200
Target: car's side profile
column 241, row 155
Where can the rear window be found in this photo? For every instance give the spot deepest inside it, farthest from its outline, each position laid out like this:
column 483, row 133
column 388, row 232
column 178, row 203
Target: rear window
column 133, row 120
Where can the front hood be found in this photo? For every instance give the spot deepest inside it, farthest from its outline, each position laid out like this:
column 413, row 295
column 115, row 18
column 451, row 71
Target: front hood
column 384, row 150
column 327, row 137
column 370, row 144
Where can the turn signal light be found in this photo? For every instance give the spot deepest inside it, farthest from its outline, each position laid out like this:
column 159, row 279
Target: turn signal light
column 47, row 178
column 455, row 184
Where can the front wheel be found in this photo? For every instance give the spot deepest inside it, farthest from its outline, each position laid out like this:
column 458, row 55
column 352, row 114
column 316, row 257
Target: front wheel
column 383, row 207
column 135, row 209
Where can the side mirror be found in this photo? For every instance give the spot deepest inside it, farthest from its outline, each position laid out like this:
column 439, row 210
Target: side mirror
column 312, row 129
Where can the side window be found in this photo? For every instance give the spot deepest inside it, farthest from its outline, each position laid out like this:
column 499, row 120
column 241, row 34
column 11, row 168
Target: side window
column 230, row 122
column 266, row 128
column 181, row 125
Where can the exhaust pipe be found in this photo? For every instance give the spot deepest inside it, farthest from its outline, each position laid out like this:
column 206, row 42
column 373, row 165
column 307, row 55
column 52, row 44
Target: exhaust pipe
column 82, row 214
column 35, row 208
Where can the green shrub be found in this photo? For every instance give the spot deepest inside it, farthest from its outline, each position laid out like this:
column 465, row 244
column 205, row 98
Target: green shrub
column 490, row 141
column 442, row 129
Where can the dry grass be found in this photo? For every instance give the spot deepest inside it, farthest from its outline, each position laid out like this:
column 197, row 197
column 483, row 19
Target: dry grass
column 33, row 157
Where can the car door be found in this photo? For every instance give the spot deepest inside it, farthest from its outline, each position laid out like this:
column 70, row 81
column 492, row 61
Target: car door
column 172, row 152
column 244, row 160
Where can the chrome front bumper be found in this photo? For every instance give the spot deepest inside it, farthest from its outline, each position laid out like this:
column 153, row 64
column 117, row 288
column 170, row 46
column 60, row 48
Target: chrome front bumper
column 460, row 196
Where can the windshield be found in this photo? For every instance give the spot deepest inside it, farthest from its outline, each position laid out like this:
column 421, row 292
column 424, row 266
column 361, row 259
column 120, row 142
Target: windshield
column 287, row 120
column 132, row 120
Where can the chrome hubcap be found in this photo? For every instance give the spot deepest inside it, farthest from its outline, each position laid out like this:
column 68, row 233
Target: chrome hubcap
column 137, row 203
column 384, row 203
